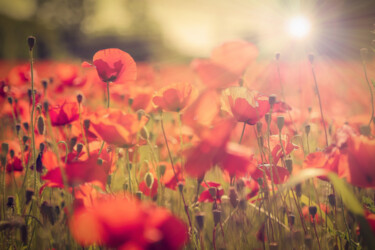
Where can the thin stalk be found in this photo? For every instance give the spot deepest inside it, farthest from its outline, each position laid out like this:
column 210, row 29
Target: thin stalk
column 32, row 117
column 320, row 105
column 214, row 237
column 83, row 131
column 372, row 95
column 242, row 133
column 316, row 234
column 174, row 171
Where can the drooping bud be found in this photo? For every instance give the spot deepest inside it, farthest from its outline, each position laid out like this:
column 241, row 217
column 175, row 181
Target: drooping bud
column 40, row 125
column 272, row 100
column 31, row 42
column 149, row 179
column 18, row 128
column 289, row 165
column 199, row 217
column 212, row 191
column 29, row 195
column 217, row 216
column 79, row 98
column 311, row 58
column 280, row 122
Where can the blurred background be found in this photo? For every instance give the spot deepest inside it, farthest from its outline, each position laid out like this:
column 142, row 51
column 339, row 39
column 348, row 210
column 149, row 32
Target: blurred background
column 176, row 31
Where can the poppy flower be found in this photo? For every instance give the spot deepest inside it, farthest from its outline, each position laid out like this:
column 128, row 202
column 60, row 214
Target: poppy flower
column 206, row 196
column 174, row 97
column 114, row 65
column 318, row 219
column 279, row 174
column 21, row 75
column 63, row 114
column 117, row 128
column 168, row 177
column 68, row 76
column 245, row 105
column 118, row 221
column 277, row 151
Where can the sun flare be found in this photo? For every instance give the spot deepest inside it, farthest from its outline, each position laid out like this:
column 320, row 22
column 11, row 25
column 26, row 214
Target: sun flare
column 298, row 27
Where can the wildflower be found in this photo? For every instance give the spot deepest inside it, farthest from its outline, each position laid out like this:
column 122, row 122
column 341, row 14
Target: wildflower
column 63, row 114
column 206, row 196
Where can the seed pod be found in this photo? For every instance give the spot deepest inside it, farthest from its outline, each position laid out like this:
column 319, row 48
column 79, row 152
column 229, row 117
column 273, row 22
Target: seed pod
column 313, row 210
column 332, row 200
column 307, row 129
column 291, row 219
column 212, row 191
column 79, row 98
column 86, row 124
column 40, row 125
column 199, row 217
column 31, row 42
column 79, row 147
column 280, row 122
column 25, row 138
column 26, row 126
column 272, row 100
column 149, row 179
column 138, row 194
column 289, row 165
column 29, row 195
column 4, row 148
column 233, row 197
column 217, row 216
column 18, row 128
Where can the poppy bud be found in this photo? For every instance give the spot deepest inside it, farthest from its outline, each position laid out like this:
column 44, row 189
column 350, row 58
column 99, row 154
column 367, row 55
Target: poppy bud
column 233, row 197
column 267, row 118
column 140, row 113
column 10, row 100
column 259, row 127
column 79, row 148
column 40, row 125
column 99, row 161
column 200, row 220
column 332, row 200
column 260, row 181
column 180, row 186
column 299, row 190
column 162, row 169
column 240, row 184
column 307, row 129
column 364, row 53
column 144, row 133
column 138, row 194
column 10, row 202
column 272, row 100
column 280, row 122
column 44, row 84
column 289, row 165
column 47, row 211
column 313, row 210
column 24, row 139
column 39, row 108
column 291, row 219
column 277, row 56
column 242, row 204
column 149, row 179
column 86, row 124
column 274, row 246
column 212, row 191
column 41, row 147
column 29, row 195
column 311, row 58
column 31, row 42
column 72, row 143
column 11, row 152
column 79, row 98
column 130, row 101
column 18, row 128
column 217, row 216
column 4, row 148
column 26, row 126
column 45, row 106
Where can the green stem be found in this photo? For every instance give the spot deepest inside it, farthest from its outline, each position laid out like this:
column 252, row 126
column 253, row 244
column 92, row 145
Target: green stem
column 32, row 117
column 242, row 133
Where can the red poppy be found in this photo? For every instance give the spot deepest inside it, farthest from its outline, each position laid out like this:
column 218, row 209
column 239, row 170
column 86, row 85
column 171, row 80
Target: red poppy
column 68, row 76
column 277, row 150
column 117, row 128
column 174, row 97
column 279, row 174
column 245, row 105
column 206, row 196
column 114, row 65
column 63, row 114
column 169, row 178
column 21, row 75
column 318, row 219
column 121, row 222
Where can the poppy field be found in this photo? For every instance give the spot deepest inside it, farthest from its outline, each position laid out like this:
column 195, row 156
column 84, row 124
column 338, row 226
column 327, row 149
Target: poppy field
column 226, row 152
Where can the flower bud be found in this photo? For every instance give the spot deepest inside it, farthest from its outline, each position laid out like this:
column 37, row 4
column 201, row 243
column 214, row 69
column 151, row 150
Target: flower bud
column 365, row 130
column 212, row 191
column 149, row 179
column 180, row 186
column 289, row 165
column 259, row 127
column 11, row 153
column 79, row 147
column 45, row 106
column 29, row 195
column 280, row 122
column 99, row 161
column 299, row 190
column 162, row 169
column 307, row 129
column 199, row 217
column 40, row 125
column 10, row 100
column 4, row 148
column 31, row 42
column 86, row 124
column 312, row 210
column 138, row 194
column 311, row 58
column 24, row 139
column 267, row 118
column 130, row 101
column 217, row 216
column 272, row 100
column 10, row 201
column 291, row 219
column 79, row 98
column 45, row 84
column 26, row 126
column 332, row 200
column 18, row 128
column 41, row 147
column 233, row 197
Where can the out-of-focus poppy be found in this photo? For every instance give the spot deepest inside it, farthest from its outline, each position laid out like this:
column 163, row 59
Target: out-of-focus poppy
column 276, row 148
column 279, row 174
column 318, row 219
column 21, row 75
column 174, row 97
column 68, row 76
column 117, row 128
column 114, row 65
column 245, row 105
column 63, row 114
column 120, row 222
column 167, row 175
